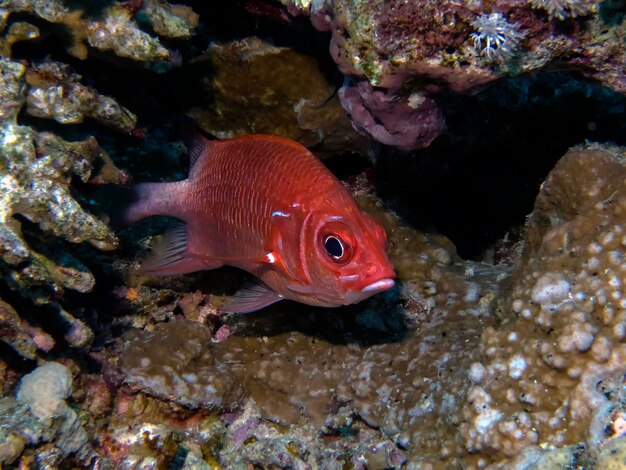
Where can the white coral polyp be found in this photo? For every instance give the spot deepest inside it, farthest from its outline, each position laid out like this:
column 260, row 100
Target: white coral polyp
column 495, row 38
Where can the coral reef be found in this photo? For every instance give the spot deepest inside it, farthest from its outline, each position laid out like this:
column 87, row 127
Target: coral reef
column 16, row 332
column 36, row 170
column 518, row 363
column 424, row 47
column 235, row 440
column 44, row 391
column 35, row 176
column 344, row 379
column 544, row 370
column 56, row 92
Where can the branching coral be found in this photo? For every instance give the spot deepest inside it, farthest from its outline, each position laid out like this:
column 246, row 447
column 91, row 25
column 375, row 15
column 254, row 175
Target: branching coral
column 35, row 175
column 115, row 28
column 36, row 169
column 55, row 92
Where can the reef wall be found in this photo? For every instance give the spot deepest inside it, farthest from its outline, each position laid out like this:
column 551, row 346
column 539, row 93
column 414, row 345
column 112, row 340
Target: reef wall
column 514, row 359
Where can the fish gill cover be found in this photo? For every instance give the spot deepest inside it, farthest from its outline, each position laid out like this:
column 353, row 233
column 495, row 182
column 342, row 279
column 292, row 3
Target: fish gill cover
column 463, row 127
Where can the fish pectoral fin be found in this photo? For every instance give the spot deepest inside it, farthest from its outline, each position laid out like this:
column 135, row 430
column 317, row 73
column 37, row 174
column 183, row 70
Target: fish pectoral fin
column 170, row 255
column 253, row 296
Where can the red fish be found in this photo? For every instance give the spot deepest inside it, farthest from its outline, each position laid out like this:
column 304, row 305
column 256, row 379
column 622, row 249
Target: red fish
column 267, row 205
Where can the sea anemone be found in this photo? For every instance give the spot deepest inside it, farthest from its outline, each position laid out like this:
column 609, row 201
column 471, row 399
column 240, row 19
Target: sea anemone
column 495, row 38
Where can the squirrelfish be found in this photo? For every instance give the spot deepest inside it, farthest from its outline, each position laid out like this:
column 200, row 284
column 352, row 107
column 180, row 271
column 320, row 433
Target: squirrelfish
column 267, row 205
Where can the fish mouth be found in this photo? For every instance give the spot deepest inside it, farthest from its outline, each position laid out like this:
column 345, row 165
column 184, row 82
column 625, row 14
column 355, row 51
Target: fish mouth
column 381, row 285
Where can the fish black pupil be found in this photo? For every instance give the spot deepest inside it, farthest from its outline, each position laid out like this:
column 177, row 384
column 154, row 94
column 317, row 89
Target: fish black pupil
column 333, row 247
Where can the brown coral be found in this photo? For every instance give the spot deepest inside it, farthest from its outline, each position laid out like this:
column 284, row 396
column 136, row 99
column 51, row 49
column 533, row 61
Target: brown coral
column 541, row 381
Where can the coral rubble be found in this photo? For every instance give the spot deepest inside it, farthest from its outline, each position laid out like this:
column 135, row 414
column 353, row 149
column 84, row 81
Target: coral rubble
column 40, row 414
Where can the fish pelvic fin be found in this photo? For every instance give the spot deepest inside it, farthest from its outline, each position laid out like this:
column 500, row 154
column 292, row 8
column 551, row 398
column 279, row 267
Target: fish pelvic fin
column 171, row 255
column 251, row 297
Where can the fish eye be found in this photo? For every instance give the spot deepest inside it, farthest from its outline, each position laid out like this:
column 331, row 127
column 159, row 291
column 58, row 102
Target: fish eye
column 337, row 249
column 333, row 246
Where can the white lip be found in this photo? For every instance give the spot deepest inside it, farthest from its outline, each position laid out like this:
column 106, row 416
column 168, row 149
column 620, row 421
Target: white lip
column 383, row 284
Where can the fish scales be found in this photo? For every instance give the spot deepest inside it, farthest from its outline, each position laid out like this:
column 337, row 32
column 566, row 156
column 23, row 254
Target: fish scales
column 244, row 191
column 266, row 205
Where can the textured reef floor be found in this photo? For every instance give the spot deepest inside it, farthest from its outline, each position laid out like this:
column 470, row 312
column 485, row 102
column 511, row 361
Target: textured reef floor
column 487, row 139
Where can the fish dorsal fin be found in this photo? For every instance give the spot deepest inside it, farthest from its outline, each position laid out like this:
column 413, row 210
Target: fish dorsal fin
column 171, row 256
column 196, row 144
column 251, row 297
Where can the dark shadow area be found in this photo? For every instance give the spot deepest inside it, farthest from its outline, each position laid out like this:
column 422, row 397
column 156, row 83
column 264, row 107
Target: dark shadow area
column 374, row 321
column 479, row 179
